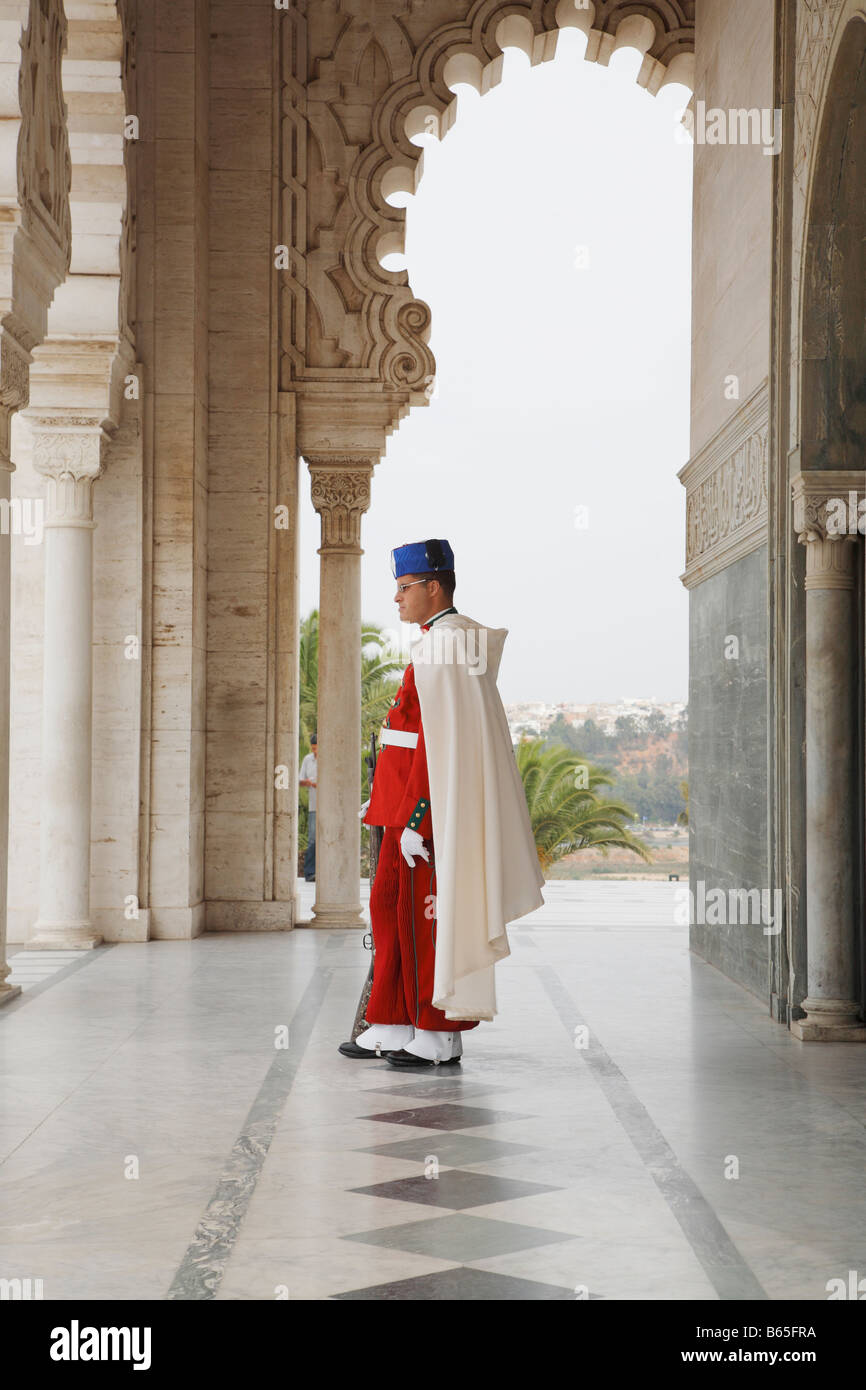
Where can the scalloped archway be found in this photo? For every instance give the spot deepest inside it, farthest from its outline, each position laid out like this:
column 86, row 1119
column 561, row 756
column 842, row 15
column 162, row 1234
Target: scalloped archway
column 349, row 326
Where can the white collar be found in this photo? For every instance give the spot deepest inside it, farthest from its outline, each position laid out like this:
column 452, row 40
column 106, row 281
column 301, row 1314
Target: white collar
column 428, row 621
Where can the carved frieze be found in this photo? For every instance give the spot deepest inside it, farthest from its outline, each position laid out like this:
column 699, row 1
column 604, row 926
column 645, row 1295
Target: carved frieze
column 726, row 492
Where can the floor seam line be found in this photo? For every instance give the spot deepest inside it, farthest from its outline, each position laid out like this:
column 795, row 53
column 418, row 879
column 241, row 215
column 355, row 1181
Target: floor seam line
column 203, row 1266
column 729, row 1272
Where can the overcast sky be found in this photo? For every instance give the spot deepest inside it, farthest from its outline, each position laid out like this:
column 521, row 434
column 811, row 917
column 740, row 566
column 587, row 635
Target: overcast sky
column 561, row 385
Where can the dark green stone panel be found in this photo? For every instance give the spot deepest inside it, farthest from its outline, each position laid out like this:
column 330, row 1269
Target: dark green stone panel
column 728, row 762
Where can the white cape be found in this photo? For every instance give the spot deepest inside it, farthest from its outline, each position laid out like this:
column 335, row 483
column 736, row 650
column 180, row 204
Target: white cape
column 487, row 870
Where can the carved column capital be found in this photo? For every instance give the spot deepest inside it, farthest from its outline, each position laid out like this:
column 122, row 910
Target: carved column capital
column 340, row 490
column 69, row 455
column 828, row 502
column 828, row 507
column 830, row 560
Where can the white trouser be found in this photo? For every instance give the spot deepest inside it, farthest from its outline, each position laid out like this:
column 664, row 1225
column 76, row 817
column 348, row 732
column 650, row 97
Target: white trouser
column 391, row 1037
column 436, row 1046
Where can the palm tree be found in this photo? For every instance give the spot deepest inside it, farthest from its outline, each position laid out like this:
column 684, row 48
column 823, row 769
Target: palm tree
column 565, row 814
column 309, row 679
column 380, row 669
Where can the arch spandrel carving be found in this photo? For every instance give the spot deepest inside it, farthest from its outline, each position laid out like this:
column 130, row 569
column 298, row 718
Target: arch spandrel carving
column 44, row 164
column 127, row 304
column 35, row 168
column 88, row 349
column 355, row 89
column 823, row 26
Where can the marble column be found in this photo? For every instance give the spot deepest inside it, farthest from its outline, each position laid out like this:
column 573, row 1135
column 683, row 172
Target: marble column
column 35, row 250
column 832, row 718
column 7, row 991
column 341, row 494
column 70, row 460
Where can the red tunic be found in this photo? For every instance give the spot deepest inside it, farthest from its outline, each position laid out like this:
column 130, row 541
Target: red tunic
column 403, row 899
column 401, row 791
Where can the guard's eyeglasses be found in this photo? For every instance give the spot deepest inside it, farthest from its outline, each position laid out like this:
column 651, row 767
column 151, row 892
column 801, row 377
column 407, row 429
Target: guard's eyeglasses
column 401, row 588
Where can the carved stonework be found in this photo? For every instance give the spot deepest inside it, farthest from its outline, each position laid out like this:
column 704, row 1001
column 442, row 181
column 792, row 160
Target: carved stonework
column 44, row 165
column 817, row 25
column 14, row 373
column 14, row 392
column 69, row 500
column 726, row 492
column 357, row 82
column 830, row 561
column 827, row 506
column 70, row 460
column 340, row 490
column 127, row 302
column 827, row 502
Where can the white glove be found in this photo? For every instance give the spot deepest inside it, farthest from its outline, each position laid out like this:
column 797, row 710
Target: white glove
column 411, row 843
column 363, row 810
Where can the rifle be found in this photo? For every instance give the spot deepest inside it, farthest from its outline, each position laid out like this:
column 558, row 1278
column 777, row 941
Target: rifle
column 375, row 845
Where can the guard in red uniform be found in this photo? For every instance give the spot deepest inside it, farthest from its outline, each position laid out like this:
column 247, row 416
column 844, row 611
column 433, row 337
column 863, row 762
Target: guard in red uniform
column 404, row 1026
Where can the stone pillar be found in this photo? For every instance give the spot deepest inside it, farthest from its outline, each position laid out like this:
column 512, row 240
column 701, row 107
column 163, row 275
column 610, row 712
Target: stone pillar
column 832, row 718
column 286, row 569
column 35, row 248
column 7, row 468
column 341, row 494
column 70, row 460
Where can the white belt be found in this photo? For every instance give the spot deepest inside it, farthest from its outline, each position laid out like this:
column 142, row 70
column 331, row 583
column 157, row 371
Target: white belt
column 401, row 737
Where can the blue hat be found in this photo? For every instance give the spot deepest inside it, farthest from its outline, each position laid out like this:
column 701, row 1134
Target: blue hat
column 421, row 557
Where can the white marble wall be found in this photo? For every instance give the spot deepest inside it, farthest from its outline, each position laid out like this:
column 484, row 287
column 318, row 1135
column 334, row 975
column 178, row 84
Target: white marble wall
column 252, row 467
column 732, row 232
column 241, row 58
column 120, row 672
column 173, row 342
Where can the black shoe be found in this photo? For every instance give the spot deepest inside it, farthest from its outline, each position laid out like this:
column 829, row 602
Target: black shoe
column 409, row 1059
column 351, row 1049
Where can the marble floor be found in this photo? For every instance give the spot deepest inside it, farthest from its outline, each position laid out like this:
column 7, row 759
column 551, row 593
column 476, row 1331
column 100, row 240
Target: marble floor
column 176, row 1122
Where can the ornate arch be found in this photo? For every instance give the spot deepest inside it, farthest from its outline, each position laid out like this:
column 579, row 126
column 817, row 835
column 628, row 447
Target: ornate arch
column 350, row 113
column 78, row 371
column 35, row 176
column 827, row 34
column 833, row 308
